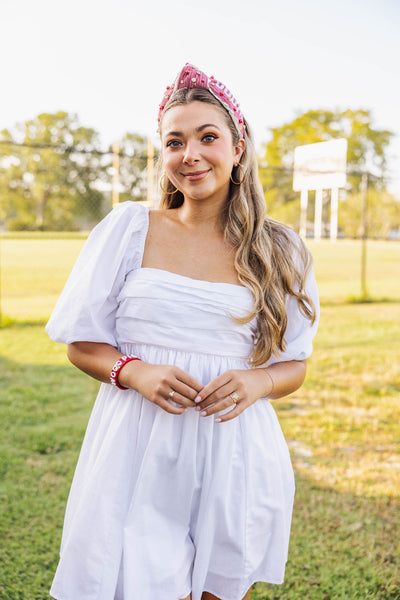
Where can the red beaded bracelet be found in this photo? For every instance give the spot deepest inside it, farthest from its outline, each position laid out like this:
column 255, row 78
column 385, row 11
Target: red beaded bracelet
column 116, row 369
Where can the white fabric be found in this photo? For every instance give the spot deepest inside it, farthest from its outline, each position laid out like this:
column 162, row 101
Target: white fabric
column 164, row 505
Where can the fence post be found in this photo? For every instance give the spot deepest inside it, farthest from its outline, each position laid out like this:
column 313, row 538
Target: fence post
column 364, row 236
column 334, row 213
column 150, row 171
column 115, row 177
column 303, row 213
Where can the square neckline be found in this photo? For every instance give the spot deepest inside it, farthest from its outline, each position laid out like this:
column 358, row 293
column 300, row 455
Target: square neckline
column 178, row 275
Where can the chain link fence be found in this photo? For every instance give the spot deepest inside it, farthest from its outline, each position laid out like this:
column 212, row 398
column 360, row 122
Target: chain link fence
column 55, row 187
column 49, row 187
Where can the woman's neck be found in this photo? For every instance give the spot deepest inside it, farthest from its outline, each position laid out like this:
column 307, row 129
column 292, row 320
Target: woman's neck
column 201, row 215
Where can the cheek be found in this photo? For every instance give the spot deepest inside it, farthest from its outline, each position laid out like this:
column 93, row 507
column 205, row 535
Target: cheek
column 221, row 157
column 227, row 152
column 170, row 161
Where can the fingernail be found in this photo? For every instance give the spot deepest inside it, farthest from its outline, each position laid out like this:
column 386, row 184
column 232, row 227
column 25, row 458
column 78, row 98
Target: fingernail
column 197, row 408
column 218, row 420
column 197, row 399
column 203, row 414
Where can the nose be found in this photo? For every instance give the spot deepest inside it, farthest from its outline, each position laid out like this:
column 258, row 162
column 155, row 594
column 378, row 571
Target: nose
column 191, row 153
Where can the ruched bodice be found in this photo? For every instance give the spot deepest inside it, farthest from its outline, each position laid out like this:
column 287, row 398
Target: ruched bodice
column 165, row 309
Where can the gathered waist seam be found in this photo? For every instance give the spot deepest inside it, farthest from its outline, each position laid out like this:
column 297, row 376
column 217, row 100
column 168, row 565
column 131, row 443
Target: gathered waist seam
column 169, row 348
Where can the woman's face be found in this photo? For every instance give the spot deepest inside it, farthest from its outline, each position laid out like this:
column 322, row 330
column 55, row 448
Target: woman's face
column 198, row 151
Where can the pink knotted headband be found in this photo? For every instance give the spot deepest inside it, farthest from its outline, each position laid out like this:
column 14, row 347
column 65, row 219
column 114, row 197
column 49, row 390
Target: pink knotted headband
column 191, row 77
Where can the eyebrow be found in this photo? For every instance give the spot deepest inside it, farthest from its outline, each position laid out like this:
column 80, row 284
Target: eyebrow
column 205, row 126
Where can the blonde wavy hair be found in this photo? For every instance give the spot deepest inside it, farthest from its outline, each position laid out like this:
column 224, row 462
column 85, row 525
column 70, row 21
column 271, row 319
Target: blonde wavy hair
column 270, row 260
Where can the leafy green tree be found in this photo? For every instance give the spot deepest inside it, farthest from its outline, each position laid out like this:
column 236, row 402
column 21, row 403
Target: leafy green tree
column 367, row 149
column 51, row 188
column 383, row 214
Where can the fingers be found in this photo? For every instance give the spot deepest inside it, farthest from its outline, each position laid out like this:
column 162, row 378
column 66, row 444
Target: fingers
column 184, row 387
column 218, row 395
column 169, row 407
column 212, row 391
column 188, row 380
column 221, row 393
column 238, row 408
column 183, row 390
column 228, row 416
column 180, row 399
column 175, row 387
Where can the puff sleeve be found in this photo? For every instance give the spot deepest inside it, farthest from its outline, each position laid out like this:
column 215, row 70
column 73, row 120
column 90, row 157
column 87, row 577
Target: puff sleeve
column 87, row 306
column 300, row 332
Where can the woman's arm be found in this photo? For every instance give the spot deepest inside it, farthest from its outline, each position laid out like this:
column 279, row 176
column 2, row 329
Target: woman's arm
column 154, row 382
column 95, row 359
column 285, row 377
column 249, row 385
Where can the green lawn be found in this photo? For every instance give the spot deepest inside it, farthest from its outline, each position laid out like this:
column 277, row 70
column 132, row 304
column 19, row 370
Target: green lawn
column 33, row 272
column 342, row 428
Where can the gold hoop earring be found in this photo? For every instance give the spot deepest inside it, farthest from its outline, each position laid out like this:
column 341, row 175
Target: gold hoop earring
column 165, row 191
column 243, row 174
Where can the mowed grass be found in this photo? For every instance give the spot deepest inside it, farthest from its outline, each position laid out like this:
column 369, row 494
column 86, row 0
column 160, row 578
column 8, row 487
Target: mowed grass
column 338, row 270
column 33, row 271
column 342, row 428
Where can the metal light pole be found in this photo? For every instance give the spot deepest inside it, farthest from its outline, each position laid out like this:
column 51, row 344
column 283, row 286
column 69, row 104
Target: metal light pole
column 364, row 236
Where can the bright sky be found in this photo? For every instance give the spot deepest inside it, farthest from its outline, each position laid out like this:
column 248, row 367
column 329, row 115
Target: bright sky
column 110, row 60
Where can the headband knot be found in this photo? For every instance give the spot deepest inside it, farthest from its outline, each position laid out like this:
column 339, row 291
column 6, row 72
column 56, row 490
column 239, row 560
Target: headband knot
column 191, row 77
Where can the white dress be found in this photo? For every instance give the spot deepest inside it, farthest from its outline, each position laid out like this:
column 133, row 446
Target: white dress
column 165, row 505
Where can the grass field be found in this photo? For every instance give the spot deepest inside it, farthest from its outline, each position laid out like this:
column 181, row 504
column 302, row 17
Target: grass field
column 342, row 428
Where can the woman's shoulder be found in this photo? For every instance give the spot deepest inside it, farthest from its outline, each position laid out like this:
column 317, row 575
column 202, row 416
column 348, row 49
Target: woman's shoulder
column 120, row 232
column 128, row 217
column 129, row 210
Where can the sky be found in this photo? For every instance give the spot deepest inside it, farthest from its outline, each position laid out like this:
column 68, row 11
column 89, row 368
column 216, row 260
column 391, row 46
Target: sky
column 109, row 61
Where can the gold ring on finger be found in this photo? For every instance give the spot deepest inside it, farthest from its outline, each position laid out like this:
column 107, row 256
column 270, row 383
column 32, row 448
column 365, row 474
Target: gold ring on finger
column 234, row 397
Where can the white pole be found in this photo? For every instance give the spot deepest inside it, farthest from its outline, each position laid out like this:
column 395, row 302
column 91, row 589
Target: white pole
column 150, row 173
column 303, row 213
column 334, row 213
column 318, row 216
column 115, row 177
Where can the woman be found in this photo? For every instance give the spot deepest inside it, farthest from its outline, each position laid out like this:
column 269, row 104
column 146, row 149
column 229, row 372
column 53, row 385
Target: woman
column 198, row 314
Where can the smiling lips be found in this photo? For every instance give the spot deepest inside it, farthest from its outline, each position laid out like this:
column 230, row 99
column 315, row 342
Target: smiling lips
column 196, row 175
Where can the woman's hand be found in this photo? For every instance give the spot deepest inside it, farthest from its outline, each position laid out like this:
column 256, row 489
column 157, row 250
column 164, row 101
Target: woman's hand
column 244, row 386
column 163, row 385
column 240, row 388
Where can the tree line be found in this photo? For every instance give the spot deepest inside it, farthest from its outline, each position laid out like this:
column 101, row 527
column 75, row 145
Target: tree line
column 55, row 175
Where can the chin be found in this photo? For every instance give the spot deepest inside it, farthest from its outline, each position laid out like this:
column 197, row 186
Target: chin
column 197, row 193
